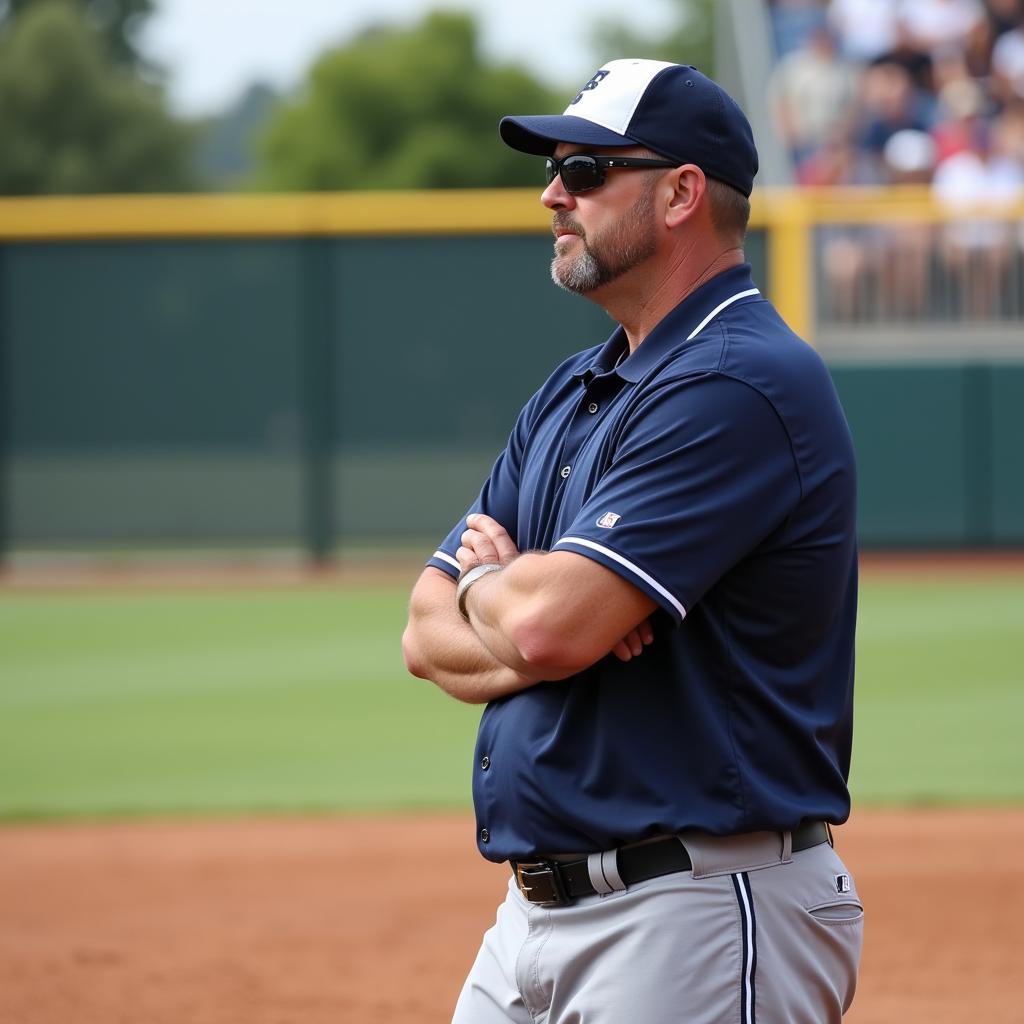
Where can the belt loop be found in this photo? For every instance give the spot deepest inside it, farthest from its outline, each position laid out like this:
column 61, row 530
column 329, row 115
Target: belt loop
column 831, row 838
column 787, row 846
column 603, row 869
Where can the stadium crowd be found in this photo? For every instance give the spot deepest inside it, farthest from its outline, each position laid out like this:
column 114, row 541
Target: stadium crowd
column 927, row 92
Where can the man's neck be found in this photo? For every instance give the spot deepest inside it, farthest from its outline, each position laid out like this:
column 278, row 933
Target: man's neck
column 641, row 305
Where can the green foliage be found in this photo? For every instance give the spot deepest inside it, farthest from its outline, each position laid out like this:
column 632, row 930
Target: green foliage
column 692, row 41
column 71, row 122
column 116, row 21
column 404, row 108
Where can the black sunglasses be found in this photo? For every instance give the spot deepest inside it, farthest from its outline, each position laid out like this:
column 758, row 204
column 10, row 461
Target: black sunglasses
column 582, row 172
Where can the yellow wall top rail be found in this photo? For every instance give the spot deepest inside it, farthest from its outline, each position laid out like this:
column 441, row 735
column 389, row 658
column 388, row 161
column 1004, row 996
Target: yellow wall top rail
column 438, row 212
column 441, row 212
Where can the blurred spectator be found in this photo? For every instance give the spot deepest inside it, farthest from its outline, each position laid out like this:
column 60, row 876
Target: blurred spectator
column 979, row 250
column 910, row 92
column 931, row 27
column 838, row 161
column 928, row 25
column 867, row 29
column 813, row 90
column 793, row 22
column 960, row 125
column 905, row 247
column 910, row 157
column 890, row 102
column 1003, row 15
column 881, row 270
column 1008, row 63
column 949, row 65
column 845, row 251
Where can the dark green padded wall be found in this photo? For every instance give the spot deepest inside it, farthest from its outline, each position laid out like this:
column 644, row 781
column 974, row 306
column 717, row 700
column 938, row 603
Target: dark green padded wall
column 908, row 425
column 311, row 391
column 154, row 390
column 438, row 343
column 1007, row 440
column 938, row 451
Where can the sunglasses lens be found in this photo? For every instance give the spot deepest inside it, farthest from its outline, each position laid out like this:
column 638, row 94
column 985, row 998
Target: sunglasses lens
column 579, row 173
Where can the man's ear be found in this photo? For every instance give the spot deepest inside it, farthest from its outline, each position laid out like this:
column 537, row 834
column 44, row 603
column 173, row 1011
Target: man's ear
column 689, row 186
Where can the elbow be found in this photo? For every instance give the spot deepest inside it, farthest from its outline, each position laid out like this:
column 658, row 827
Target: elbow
column 415, row 664
column 545, row 646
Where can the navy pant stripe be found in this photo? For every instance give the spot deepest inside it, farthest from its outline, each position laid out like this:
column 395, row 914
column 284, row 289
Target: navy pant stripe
column 745, row 899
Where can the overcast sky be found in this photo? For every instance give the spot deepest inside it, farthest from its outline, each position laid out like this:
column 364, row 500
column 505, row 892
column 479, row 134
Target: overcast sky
column 214, row 48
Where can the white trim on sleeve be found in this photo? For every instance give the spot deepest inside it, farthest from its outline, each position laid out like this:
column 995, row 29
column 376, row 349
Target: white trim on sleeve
column 447, row 558
column 616, row 557
column 718, row 309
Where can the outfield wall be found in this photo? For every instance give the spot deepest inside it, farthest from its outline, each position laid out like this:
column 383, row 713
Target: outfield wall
column 320, row 371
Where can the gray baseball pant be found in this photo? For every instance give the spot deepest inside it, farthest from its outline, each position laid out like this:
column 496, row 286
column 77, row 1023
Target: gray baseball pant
column 752, row 933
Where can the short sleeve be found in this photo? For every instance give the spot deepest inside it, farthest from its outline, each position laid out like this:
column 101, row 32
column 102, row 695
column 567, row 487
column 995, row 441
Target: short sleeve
column 703, row 471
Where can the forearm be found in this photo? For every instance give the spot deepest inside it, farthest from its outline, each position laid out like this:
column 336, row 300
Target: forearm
column 555, row 614
column 523, row 622
column 544, row 616
column 441, row 646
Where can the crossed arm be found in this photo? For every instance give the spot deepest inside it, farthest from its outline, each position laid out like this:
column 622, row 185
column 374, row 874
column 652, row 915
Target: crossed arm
column 546, row 616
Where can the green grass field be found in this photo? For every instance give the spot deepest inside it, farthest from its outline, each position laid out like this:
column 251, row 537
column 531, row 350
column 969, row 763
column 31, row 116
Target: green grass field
column 295, row 699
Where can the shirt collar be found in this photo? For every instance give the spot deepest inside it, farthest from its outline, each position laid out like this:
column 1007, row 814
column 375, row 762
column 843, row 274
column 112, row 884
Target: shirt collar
column 688, row 319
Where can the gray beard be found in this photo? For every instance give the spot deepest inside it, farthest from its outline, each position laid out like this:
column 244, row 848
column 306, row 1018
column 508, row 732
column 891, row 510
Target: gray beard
column 582, row 275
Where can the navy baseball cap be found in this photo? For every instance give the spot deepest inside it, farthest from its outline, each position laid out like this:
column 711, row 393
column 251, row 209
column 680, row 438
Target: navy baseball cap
column 670, row 108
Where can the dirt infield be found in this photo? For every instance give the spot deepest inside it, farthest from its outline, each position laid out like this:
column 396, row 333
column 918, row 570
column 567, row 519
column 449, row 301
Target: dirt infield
column 376, row 920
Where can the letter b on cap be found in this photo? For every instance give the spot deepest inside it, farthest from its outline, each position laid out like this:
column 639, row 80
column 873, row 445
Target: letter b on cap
column 592, row 84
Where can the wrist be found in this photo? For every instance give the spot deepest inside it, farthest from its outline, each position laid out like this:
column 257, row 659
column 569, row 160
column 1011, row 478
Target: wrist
column 466, row 580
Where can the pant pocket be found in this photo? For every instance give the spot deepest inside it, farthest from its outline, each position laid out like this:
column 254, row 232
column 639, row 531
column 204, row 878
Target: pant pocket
column 837, row 912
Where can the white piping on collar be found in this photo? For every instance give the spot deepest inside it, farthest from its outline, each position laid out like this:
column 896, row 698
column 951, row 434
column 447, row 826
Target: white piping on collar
column 718, row 309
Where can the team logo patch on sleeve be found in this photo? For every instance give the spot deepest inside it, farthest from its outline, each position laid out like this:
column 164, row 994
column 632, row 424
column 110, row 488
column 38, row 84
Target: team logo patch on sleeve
column 842, row 883
column 608, row 520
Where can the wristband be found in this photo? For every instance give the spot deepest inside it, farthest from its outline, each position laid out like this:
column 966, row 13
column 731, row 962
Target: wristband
column 467, row 579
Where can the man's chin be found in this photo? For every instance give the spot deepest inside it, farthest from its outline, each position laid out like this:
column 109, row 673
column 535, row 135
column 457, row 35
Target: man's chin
column 566, row 274
column 569, row 284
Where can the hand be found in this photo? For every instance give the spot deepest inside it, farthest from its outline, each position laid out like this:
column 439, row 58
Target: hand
column 485, row 541
column 633, row 643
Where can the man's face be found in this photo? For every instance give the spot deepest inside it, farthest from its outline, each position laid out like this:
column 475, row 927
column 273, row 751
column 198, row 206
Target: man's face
column 603, row 234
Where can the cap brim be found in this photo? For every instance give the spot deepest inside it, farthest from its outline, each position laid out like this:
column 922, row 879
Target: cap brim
column 540, row 134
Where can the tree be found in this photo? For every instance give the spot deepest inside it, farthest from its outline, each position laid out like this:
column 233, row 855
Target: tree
column 117, row 22
column 403, row 108
column 71, row 122
column 692, row 41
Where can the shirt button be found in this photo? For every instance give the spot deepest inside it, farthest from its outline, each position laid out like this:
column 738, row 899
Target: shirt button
column 592, row 408
column 565, row 471
column 485, row 836
column 485, row 762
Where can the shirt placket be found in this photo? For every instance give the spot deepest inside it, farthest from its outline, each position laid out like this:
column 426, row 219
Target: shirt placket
column 595, row 398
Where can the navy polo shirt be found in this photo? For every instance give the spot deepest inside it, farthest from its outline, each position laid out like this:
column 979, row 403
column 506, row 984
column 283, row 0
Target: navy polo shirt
column 713, row 469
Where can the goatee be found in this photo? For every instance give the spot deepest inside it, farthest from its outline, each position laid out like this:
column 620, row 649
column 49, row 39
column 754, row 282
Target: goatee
column 612, row 252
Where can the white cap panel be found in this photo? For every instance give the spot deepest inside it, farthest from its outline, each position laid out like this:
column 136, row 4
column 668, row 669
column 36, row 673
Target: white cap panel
column 610, row 98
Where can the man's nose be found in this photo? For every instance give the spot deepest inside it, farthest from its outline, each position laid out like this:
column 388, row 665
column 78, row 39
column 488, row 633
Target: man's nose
column 555, row 197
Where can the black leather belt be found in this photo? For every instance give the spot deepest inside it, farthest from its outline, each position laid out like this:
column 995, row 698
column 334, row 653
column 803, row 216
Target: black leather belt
column 560, row 882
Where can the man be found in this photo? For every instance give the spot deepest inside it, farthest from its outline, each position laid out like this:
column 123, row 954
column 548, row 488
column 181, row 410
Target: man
column 656, row 601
